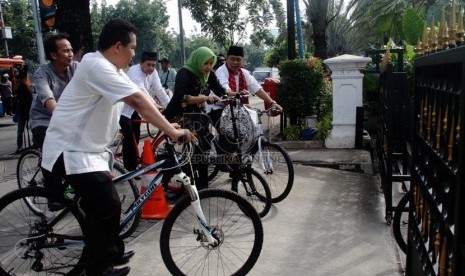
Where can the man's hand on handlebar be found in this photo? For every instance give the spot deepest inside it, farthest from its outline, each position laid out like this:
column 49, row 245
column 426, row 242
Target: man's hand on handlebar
column 276, row 106
column 186, row 137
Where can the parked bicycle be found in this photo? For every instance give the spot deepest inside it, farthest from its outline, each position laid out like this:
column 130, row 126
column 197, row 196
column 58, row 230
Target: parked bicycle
column 270, row 159
column 400, row 221
column 214, row 231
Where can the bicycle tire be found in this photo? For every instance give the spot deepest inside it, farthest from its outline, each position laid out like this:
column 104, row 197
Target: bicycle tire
column 151, row 133
column 279, row 172
column 28, row 171
column 213, row 171
column 227, row 214
column 400, row 222
column 31, row 244
column 128, row 193
column 256, row 192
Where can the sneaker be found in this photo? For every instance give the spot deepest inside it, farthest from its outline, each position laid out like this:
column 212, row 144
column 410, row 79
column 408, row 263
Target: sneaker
column 124, row 259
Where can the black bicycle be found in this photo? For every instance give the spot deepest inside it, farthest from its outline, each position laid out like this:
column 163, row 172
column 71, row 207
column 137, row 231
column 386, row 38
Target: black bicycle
column 214, row 231
column 29, row 174
column 400, row 222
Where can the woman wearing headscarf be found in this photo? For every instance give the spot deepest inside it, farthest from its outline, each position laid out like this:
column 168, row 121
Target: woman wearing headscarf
column 191, row 94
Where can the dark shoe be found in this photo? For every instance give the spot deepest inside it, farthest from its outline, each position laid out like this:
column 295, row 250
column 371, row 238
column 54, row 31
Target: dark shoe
column 125, row 258
column 117, row 271
column 55, row 206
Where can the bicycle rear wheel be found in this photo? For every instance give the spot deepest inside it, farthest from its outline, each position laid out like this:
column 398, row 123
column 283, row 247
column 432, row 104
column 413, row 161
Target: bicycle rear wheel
column 39, row 243
column 128, row 193
column 279, row 170
column 400, row 222
column 231, row 219
column 253, row 187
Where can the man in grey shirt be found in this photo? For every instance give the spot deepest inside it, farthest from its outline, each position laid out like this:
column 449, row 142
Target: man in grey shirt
column 49, row 81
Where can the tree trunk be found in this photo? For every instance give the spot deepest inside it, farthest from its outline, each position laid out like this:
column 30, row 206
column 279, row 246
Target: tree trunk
column 318, row 11
column 73, row 18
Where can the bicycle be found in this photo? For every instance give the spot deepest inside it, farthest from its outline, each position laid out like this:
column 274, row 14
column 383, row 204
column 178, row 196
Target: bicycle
column 214, row 231
column 29, row 174
column 253, row 186
column 400, row 218
column 157, row 141
column 271, row 160
column 400, row 222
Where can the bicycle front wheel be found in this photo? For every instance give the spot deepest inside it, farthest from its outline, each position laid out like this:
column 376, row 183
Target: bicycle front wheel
column 39, row 243
column 253, row 187
column 232, row 220
column 128, row 193
column 400, row 222
column 28, row 172
column 276, row 168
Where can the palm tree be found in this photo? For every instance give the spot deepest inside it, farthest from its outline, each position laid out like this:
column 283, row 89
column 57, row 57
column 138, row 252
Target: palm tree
column 320, row 14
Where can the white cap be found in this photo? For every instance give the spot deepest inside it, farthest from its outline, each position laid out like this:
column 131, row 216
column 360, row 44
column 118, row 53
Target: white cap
column 6, row 75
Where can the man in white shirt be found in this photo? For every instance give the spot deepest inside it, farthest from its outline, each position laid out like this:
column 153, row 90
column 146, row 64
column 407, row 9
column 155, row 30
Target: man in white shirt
column 234, row 77
column 146, row 78
column 84, row 123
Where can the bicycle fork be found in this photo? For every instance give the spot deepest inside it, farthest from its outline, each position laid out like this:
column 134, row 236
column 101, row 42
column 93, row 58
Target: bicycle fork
column 268, row 159
column 191, row 189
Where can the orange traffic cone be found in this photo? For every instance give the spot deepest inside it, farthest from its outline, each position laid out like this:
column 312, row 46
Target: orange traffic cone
column 156, row 206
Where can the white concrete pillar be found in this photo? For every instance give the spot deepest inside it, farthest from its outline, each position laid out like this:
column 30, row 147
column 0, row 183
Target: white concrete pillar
column 347, row 96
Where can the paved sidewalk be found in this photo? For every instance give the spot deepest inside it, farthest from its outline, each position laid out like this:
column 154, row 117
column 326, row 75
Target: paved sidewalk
column 332, row 223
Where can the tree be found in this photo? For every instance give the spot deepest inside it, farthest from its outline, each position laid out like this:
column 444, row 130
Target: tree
column 151, row 20
column 73, row 18
column 382, row 19
column 18, row 15
column 320, row 14
column 223, row 21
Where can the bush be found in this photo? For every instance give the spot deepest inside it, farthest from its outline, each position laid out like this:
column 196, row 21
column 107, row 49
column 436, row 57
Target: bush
column 300, row 89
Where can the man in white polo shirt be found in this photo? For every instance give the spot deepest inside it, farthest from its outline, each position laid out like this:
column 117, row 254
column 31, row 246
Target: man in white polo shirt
column 83, row 125
column 146, row 78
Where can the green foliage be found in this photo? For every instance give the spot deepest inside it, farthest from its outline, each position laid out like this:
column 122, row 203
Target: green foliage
column 324, row 126
column 371, row 87
column 18, row 15
column 224, row 22
column 275, row 55
column 292, row 132
column 151, row 20
column 412, row 25
column 300, row 87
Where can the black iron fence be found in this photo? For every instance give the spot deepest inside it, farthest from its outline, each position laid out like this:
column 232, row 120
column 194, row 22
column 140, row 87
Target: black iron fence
column 436, row 238
column 392, row 136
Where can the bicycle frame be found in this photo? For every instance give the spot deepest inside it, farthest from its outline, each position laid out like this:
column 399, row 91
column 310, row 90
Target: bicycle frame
column 259, row 142
column 181, row 177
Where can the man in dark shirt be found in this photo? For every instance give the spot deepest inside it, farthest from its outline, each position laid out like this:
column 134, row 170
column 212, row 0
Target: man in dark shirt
column 49, row 82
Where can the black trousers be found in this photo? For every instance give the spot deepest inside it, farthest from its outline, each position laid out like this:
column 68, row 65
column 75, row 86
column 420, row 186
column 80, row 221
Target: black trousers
column 131, row 136
column 101, row 205
column 38, row 136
